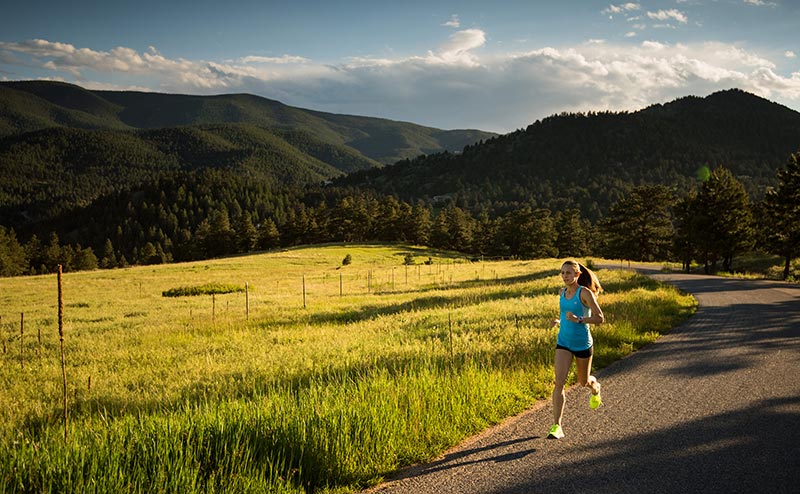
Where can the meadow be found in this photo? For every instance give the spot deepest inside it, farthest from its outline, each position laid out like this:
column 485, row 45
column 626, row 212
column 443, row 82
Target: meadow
column 317, row 377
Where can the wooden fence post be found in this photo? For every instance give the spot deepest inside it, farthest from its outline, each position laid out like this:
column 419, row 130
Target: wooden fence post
column 21, row 337
column 61, row 338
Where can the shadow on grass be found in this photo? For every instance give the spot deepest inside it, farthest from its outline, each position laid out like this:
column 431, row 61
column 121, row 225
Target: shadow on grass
column 512, row 289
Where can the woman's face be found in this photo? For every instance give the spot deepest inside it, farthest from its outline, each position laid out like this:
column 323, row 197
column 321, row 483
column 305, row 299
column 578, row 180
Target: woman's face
column 568, row 274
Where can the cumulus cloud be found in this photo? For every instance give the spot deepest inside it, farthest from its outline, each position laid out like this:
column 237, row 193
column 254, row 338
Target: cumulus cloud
column 789, row 54
column 457, row 50
column 459, row 84
column 622, row 8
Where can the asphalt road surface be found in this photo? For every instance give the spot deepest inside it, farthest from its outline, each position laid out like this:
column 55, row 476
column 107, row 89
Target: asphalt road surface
column 711, row 407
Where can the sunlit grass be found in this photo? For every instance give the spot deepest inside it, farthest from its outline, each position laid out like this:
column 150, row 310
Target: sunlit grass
column 386, row 365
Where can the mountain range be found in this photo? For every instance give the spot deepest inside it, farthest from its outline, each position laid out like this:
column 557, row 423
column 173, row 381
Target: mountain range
column 63, row 148
column 64, row 145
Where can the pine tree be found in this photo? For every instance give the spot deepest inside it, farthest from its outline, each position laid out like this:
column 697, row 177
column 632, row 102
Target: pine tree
column 246, row 233
column 148, row 255
column 268, row 235
column 781, row 218
column 53, row 255
column 12, row 255
column 727, row 222
column 84, row 259
column 109, row 259
column 574, row 235
column 421, row 224
column 639, row 226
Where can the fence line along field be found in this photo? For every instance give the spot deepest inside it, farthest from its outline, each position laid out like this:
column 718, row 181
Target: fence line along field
column 318, row 377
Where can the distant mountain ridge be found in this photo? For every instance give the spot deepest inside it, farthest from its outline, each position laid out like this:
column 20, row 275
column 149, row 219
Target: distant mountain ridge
column 32, row 105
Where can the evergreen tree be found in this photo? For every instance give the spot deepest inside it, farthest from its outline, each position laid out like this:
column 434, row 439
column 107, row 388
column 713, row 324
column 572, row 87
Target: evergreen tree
column 781, row 214
column 268, row 235
column 539, row 236
column 440, row 231
column 716, row 223
column 13, row 261
column 485, row 233
column 148, row 255
column 84, row 259
column 639, row 226
column 420, row 224
column 35, row 255
column 246, row 233
column 726, row 219
column 459, row 228
column 53, row 255
column 687, row 218
column 528, row 233
column 109, row 259
column 386, row 219
column 221, row 239
column 574, row 235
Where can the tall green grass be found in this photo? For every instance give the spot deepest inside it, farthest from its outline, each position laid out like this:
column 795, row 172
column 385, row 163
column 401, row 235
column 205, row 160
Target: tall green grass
column 330, row 398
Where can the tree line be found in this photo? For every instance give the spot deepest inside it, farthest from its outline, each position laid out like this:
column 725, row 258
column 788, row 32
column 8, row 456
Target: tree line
column 211, row 213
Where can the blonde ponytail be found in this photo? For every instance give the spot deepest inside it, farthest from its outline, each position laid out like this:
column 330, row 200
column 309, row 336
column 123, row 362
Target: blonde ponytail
column 587, row 277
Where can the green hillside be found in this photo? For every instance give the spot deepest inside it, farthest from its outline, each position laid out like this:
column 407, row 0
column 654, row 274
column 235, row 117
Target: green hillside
column 62, row 146
column 27, row 107
column 32, row 105
column 588, row 161
column 49, row 171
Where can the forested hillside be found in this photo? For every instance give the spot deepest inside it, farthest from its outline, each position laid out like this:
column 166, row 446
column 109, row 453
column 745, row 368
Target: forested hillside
column 589, row 161
column 63, row 147
column 33, row 105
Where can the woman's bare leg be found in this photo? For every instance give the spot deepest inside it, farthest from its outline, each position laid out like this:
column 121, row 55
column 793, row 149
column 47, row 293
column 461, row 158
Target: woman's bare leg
column 584, row 367
column 563, row 361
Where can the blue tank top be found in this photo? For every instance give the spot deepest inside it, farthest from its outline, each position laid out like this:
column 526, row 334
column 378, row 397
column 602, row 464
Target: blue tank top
column 572, row 335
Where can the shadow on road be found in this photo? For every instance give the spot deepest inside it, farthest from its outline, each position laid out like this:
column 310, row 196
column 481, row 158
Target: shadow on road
column 738, row 451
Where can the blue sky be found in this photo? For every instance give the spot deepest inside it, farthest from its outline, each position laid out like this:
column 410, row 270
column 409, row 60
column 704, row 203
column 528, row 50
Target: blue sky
column 495, row 66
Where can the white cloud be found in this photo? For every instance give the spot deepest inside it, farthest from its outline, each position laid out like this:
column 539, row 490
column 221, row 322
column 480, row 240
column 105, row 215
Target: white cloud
column 789, row 54
column 760, row 3
column 457, row 85
column 630, row 34
column 619, row 9
column 457, row 49
column 453, row 22
column 279, row 60
column 665, row 15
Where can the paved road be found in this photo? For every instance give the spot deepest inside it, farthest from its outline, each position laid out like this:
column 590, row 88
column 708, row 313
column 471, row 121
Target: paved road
column 712, row 407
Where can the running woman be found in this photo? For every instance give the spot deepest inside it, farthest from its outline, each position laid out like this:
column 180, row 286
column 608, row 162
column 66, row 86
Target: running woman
column 578, row 307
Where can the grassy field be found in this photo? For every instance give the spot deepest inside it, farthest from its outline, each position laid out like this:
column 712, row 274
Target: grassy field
column 318, row 377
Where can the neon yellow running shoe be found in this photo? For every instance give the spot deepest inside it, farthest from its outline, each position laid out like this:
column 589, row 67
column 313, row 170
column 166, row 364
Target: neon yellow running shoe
column 555, row 432
column 595, row 401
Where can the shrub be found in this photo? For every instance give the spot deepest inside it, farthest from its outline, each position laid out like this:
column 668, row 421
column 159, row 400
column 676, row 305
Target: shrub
column 207, row 289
